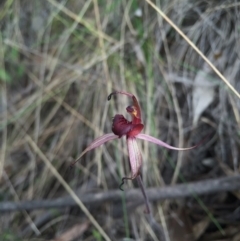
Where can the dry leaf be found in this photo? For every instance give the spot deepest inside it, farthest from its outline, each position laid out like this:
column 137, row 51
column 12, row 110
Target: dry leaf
column 199, row 228
column 203, row 93
column 180, row 227
column 73, row 232
column 236, row 237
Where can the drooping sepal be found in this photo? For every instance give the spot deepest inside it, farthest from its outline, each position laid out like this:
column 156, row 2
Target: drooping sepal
column 96, row 143
column 135, row 156
column 161, row 143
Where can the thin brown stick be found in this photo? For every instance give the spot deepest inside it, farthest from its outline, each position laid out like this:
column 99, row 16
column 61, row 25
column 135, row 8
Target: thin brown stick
column 135, row 195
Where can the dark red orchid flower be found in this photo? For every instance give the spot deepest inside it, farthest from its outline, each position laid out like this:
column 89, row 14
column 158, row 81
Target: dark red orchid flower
column 132, row 130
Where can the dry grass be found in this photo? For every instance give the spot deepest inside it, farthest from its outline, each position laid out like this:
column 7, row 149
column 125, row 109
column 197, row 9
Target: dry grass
column 59, row 62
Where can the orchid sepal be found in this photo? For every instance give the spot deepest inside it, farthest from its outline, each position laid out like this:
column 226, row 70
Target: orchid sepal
column 96, row 143
column 161, row 143
column 135, row 156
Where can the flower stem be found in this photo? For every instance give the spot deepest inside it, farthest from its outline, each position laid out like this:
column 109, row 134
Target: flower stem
column 140, row 183
column 154, row 225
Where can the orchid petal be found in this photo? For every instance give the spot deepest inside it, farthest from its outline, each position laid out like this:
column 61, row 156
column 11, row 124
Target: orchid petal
column 96, row 143
column 135, row 156
column 161, row 143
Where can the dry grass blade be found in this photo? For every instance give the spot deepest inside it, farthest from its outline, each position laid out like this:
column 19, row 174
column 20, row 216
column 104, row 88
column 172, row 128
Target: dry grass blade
column 225, row 6
column 194, row 47
column 3, row 106
column 59, row 60
column 4, row 143
column 66, row 186
column 16, row 197
column 79, row 20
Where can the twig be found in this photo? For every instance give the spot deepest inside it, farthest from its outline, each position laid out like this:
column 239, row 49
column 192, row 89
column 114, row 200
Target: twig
column 135, row 195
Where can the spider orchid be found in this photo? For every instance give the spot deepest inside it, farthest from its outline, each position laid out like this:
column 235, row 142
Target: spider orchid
column 132, row 130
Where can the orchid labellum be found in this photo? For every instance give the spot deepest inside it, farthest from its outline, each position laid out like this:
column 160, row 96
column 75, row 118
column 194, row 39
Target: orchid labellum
column 132, row 130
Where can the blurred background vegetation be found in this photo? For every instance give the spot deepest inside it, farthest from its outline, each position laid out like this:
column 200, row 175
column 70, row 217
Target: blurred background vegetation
column 59, row 60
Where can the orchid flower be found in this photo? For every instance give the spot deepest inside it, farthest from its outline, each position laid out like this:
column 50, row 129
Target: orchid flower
column 132, row 130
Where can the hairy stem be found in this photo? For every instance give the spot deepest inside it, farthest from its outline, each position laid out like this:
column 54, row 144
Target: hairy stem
column 140, row 183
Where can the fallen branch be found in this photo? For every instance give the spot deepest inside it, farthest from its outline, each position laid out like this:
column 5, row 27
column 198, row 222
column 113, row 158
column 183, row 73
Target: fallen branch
column 134, row 195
